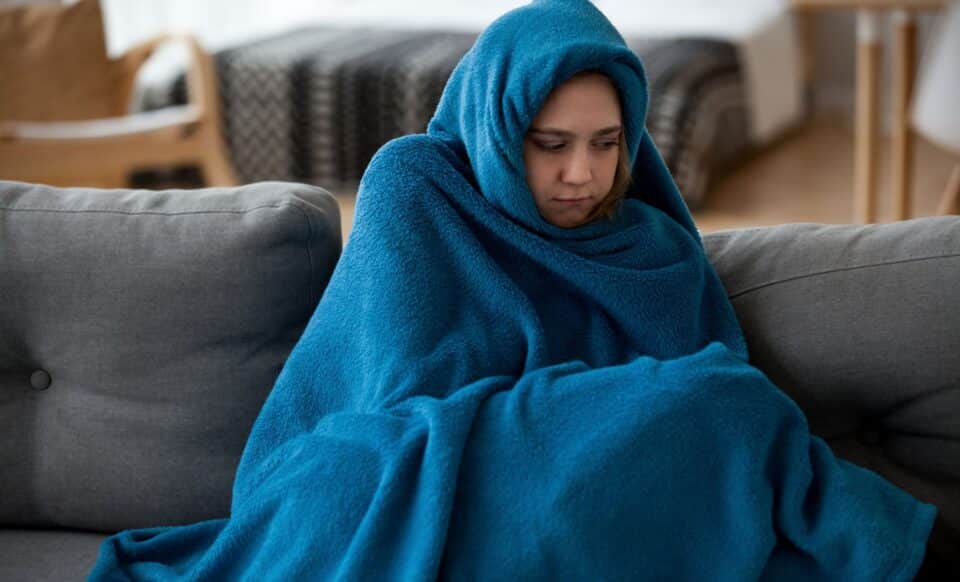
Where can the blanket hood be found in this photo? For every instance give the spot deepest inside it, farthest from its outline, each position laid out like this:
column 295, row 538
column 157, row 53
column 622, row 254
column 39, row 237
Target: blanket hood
column 499, row 86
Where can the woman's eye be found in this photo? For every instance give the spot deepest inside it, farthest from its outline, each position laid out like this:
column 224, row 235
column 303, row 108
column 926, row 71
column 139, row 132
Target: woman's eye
column 550, row 146
column 606, row 145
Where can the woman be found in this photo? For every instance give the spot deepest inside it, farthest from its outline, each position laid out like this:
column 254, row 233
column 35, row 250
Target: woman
column 576, row 160
column 519, row 372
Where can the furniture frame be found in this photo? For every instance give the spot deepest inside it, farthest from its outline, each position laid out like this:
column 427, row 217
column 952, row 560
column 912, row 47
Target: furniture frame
column 103, row 152
column 866, row 135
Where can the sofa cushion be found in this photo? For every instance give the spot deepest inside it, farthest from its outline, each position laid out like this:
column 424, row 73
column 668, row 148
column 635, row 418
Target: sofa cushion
column 140, row 333
column 35, row 555
column 860, row 326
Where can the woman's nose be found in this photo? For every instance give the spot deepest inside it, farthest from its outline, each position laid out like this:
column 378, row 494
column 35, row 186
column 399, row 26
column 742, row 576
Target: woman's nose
column 576, row 168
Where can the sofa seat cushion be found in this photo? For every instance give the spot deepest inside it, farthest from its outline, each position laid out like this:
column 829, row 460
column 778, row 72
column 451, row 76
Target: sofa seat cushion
column 860, row 326
column 30, row 555
column 140, row 333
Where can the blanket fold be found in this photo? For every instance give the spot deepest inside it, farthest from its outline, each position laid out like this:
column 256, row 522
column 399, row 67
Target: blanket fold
column 482, row 395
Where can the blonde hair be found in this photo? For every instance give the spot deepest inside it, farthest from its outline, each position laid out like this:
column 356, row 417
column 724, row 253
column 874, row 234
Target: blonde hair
column 609, row 206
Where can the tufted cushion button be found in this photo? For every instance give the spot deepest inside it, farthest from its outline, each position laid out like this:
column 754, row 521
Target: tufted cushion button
column 870, row 435
column 40, row 380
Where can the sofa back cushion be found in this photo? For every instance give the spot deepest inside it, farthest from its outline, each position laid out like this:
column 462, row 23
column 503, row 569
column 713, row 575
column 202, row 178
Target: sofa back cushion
column 140, row 333
column 860, row 325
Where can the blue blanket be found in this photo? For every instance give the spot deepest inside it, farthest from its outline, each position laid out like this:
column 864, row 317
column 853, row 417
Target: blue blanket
column 483, row 396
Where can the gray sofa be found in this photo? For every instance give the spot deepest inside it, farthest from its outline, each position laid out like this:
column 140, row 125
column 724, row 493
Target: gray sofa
column 141, row 331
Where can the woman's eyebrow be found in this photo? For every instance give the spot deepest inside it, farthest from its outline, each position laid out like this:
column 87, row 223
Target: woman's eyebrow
column 563, row 133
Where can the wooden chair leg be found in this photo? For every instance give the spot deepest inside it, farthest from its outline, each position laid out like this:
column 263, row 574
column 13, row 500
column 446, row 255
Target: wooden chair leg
column 950, row 202
column 217, row 169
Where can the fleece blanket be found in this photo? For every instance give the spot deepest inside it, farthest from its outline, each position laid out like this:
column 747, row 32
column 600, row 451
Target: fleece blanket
column 481, row 395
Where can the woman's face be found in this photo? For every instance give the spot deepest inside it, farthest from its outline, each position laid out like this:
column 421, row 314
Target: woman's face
column 572, row 148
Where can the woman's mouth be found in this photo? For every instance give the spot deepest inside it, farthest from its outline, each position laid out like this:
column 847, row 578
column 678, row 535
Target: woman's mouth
column 571, row 201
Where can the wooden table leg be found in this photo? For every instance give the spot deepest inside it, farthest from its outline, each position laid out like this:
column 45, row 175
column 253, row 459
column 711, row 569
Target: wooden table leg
column 865, row 135
column 807, row 31
column 901, row 147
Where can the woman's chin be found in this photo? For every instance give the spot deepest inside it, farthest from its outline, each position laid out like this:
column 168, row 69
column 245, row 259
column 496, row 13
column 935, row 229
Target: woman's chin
column 566, row 221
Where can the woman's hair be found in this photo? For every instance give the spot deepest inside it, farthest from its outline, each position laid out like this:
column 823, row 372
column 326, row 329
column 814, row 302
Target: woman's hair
column 621, row 181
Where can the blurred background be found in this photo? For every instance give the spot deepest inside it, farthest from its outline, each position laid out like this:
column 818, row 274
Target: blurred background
column 766, row 111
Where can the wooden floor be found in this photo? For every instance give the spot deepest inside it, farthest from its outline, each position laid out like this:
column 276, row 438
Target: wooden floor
column 806, row 177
